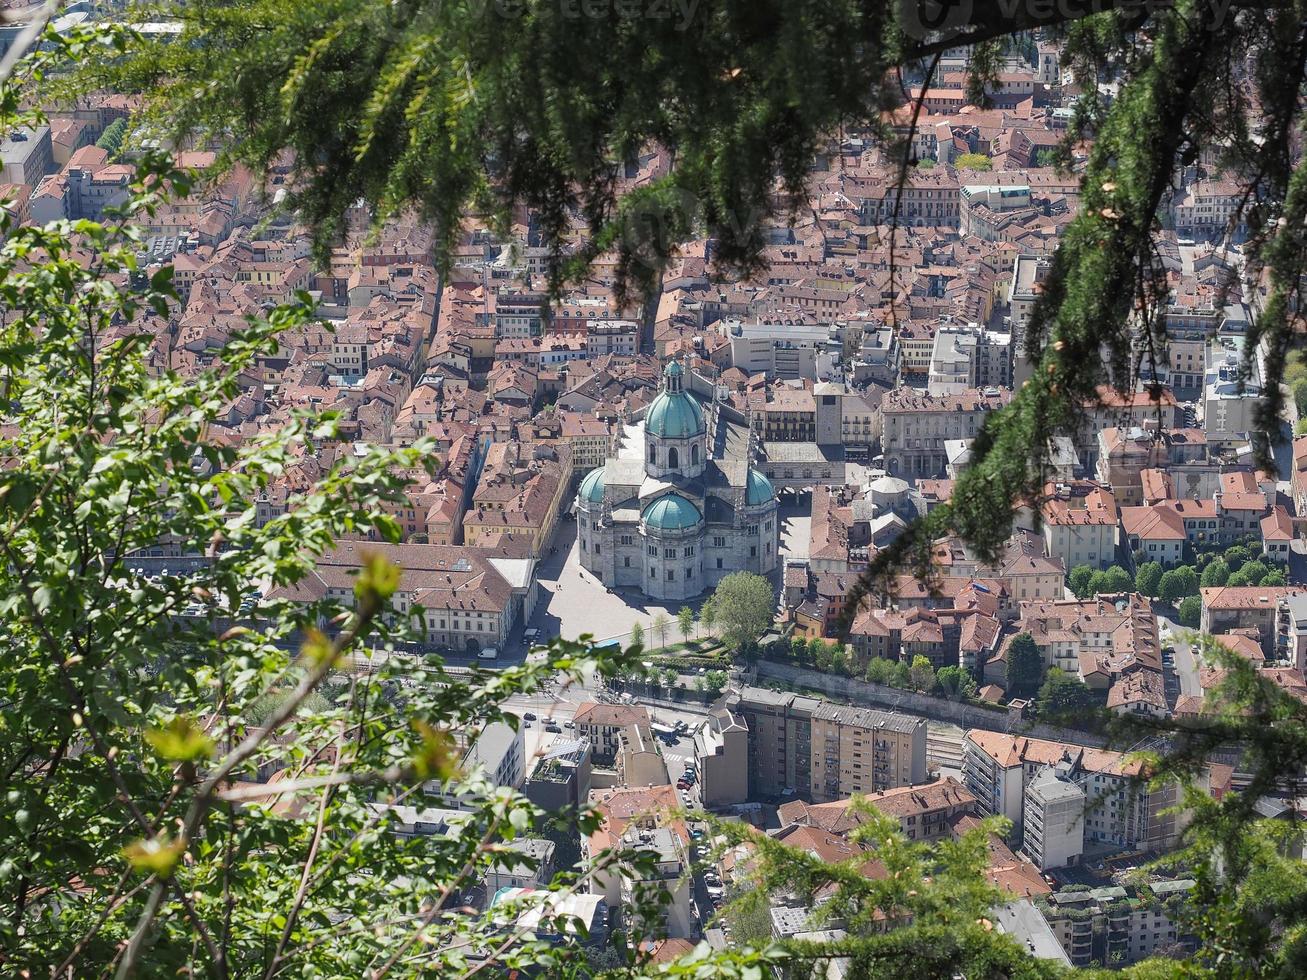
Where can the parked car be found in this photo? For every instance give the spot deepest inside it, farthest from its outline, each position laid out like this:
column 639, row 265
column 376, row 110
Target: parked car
column 553, row 728
column 682, row 784
column 529, row 716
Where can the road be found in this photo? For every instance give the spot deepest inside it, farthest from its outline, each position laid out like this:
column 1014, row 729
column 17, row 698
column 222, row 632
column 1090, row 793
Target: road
column 1183, row 669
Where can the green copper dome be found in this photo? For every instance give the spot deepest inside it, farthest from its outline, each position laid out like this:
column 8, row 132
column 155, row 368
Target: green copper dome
column 674, row 415
column 671, row 513
column 592, row 487
column 758, row 490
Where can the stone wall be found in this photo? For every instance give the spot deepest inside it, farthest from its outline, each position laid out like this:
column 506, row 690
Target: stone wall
column 963, row 714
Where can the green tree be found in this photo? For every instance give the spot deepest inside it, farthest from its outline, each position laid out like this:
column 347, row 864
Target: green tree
column 670, row 677
column 926, row 163
column 1025, row 666
column 1190, row 610
column 1047, row 156
column 716, row 681
column 1254, row 572
column 1064, row 698
column 707, row 617
column 1216, row 573
column 141, row 722
column 660, row 624
column 637, row 635
column 1080, row 580
column 839, row 662
column 1148, row 578
column 1299, row 390
column 1116, row 579
column 1177, row 583
column 880, row 670
column 1236, row 555
column 954, row 682
column 685, row 622
column 922, row 674
column 1300, row 427
column 1239, row 579
column 111, row 140
column 1274, row 578
column 744, row 606
column 973, row 161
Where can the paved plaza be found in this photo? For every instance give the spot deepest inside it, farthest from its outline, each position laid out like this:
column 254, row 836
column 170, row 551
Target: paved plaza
column 572, row 601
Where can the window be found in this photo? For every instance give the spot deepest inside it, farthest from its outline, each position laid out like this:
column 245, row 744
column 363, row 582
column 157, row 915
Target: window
column 596, row 548
column 626, row 562
column 753, row 551
column 651, row 573
column 673, row 458
column 669, row 552
column 671, row 575
column 653, row 454
column 689, row 573
column 694, row 454
column 628, row 539
column 719, row 563
column 719, row 542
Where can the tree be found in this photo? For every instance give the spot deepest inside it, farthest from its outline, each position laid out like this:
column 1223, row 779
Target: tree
column 1236, row 555
column 1116, row 579
column 1025, row 666
column 880, row 670
column 685, row 622
column 1064, row 698
column 926, row 163
column 1148, row 577
column 440, row 111
column 111, row 140
column 1300, row 427
column 1274, row 578
column 715, row 681
column 707, row 617
column 1079, row 581
column 922, row 674
column 954, row 682
column 1177, row 583
column 1299, row 390
column 660, row 625
column 973, row 161
column 1254, row 572
column 637, row 635
column 1047, row 156
column 1239, row 579
column 1216, row 573
column 1191, row 610
column 839, row 662
column 141, row 722
column 744, row 606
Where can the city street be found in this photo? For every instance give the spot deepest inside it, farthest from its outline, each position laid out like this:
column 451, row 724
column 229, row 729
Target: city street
column 1184, row 667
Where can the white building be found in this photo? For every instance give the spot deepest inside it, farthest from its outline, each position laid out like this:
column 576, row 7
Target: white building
column 969, row 356
column 671, row 522
column 1054, row 815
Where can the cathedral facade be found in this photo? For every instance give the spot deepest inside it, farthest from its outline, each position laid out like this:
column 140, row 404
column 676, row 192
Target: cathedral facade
column 669, row 521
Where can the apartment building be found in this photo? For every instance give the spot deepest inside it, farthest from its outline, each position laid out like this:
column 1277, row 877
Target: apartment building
column 602, row 725
column 1053, row 816
column 916, row 424
column 1121, row 809
column 1116, row 926
column 826, row 751
column 969, row 356
column 1080, row 524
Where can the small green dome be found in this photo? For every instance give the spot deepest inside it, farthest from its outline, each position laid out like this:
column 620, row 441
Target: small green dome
column 592, row 487
column 671, row 513
column 674, row 415
column 758, row 490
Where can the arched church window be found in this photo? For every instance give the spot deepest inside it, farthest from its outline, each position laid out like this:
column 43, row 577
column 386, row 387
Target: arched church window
column 673, row 458
column 694, row 454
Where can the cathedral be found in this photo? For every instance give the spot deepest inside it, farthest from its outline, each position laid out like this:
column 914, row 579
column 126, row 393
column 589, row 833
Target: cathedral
column 668, row 520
